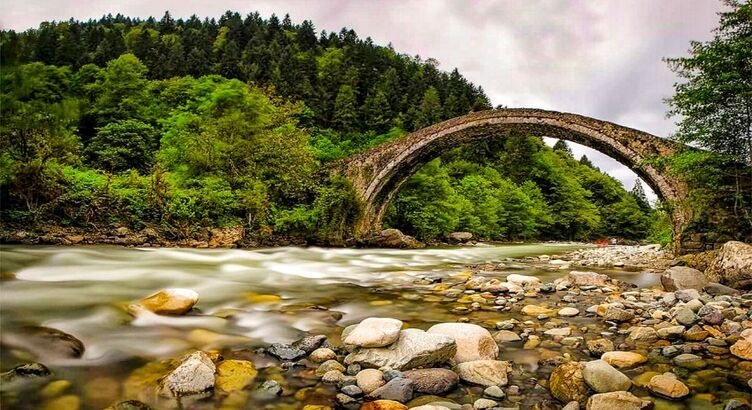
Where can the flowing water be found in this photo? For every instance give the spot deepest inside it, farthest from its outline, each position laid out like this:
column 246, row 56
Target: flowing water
column 248, row 299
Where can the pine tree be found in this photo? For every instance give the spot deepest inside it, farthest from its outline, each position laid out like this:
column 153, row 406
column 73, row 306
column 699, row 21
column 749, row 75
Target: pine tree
column 638, row 193
column 585, row 161
column 376, row 112
column 563, row 147
column 430, row 110
column 345, row 115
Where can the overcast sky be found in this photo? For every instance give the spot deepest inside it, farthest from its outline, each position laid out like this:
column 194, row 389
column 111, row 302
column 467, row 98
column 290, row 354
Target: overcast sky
column 597, row 58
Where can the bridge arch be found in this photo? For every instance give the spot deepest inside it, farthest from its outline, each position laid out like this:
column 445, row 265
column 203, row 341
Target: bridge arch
column 378, row 173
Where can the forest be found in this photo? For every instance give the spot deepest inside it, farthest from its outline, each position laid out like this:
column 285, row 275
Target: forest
column 182, row 125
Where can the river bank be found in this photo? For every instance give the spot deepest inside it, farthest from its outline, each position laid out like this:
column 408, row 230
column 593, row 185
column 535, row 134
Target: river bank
column 505, row 326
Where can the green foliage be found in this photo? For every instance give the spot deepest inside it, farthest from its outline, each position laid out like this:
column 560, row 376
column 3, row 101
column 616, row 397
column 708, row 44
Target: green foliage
column 715, row 100
column 516, row 188
column 123, row 145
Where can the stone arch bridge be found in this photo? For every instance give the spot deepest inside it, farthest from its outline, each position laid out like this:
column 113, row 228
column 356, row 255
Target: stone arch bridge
column 378, row 173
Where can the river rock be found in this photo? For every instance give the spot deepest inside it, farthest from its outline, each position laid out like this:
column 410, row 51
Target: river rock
column 285, row 352
column 620, row 400
column 459, row 237
column 374, row 332
column 617, row 314
column 432, row 381
column 568, row 312
column 642, row 334
column 481, row 404
column 484, row 372
column 504, row 336
column 686, row 317
column 233, row 375
column 604, row 378
column 522, row 280
column 328, row 366
column 599, row 346
column 414, row 348
column 369, row 380
column 175, row 301
column 393, row 238
column 743, row 347
column 44, row 342
column 683, row 277
column 560, row 331
column 400, row 390
column 473, row 342
column 383, row 405
column 309, row 343
column 732, row 265
column 532, row 310
column 666, row 385
column 670, row 332
column 716, row 289
column 195, row 374
column 567, row 382
column 322, row 354
column 623, row 360
column 689, row 361
column 20, row 376
column 587, row 279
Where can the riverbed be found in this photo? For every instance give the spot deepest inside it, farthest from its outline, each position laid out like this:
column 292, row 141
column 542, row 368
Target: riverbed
column 248, row 300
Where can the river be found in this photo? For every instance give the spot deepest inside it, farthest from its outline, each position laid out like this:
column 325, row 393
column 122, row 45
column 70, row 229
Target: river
column 248, row 299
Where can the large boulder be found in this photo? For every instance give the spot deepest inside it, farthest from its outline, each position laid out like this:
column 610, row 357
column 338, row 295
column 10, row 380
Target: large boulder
column 374, row 332
column 732, row 265
column 683, row 277
column 567, row 382
column 393, row 238
column 414, row 348
column 473, row 342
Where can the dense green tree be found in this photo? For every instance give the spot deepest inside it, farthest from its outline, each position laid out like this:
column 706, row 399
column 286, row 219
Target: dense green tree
column 345, row 109
column 715, row 100
column 123, row 145
column 563, row 147
column 638, row 193
column 430, row 111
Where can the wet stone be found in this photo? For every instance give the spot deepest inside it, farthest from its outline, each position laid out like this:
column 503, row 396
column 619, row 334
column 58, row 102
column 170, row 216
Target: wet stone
column 195, row 374
column 616, row 314
column 603, row 378
column 689, row 361
column 484, row 372
column 666, row 385
column 352, row 391
column 285, row 352
column 271, row 387
column 599, row 346
column 369, row 380
column 433, row 381
column 686, row 317
column 567, row 383
column 309, row 343
column 399, row 389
